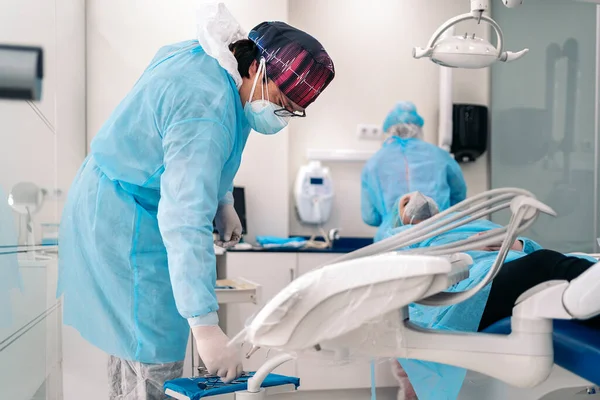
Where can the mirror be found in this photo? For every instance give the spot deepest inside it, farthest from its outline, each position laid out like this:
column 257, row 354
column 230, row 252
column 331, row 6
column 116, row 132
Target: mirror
column 26, row 198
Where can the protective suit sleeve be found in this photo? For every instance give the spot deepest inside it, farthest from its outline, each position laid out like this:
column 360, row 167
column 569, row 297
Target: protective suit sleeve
column 195, row 152
column 456, row 181
column 370, row 215
column 228, row 198
column 529, row 246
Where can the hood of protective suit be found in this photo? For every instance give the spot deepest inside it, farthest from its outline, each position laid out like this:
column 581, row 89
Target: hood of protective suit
column 216, row 30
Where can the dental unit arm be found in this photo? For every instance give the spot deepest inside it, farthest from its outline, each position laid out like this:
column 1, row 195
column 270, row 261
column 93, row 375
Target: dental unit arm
column 359, row 303
column 469, row 51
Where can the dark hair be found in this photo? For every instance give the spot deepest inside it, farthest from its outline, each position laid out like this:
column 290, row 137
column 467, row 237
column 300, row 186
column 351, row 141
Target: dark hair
column 245, row 52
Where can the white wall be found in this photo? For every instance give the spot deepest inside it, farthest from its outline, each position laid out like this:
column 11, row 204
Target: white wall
column 30, row 150
column 371, row 45
column 374, row 71
column 123, row 36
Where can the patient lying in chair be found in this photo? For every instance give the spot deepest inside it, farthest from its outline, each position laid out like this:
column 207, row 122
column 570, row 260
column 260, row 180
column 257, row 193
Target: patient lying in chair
column 526, row 266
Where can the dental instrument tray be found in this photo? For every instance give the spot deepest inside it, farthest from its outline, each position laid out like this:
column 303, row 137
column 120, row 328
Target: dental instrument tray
column 237, row 290
column 209, row 386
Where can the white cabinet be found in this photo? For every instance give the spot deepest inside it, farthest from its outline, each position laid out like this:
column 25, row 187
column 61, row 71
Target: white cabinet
column 329, row 375
column 29, row 337
column 273, row 271
column 309, row 261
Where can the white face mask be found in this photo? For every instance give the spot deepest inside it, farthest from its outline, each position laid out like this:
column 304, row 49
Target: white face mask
column 261, row 113
column 420, row 207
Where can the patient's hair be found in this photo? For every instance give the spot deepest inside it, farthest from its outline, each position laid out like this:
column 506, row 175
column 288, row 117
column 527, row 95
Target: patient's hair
column 245, row 52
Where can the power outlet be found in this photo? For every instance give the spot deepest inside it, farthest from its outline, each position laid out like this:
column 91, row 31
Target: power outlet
column 369, row 132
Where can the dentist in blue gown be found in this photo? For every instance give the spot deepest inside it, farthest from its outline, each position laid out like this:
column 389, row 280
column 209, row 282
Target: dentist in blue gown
column 407, row 164
column 137, row 263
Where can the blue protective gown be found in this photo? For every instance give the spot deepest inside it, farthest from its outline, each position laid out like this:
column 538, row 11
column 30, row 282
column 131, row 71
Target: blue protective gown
column 403, row 166
column 136, row 244
column 439, row 381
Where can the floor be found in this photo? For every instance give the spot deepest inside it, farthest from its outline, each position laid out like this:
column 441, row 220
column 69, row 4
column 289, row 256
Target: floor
column 382, row 394
column 50, row 391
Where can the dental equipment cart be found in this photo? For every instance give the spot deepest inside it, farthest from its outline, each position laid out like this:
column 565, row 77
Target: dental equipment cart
column 212, row 388
column 231, row 291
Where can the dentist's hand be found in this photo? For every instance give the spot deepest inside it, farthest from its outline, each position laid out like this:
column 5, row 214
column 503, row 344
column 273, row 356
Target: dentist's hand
column 228, row 225
column 218, row 356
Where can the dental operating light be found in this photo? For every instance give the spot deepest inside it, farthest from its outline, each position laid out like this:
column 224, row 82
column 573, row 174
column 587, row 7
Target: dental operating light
column 469, row 51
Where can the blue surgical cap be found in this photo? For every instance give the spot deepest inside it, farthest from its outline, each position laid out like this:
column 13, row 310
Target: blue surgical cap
column 405, row 112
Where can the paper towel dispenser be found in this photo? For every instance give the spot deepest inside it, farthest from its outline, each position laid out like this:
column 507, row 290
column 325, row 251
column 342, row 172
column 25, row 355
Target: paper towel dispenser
column 469, row 132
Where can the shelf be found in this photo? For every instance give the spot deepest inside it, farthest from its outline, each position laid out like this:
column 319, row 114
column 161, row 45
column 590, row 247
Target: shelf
column 339, row 155
column 243, row 291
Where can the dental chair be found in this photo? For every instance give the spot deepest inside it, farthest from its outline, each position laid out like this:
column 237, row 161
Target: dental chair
column 357, row 306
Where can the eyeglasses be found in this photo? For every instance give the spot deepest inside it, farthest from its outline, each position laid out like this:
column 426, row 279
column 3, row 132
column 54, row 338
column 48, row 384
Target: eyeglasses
column 285, row 113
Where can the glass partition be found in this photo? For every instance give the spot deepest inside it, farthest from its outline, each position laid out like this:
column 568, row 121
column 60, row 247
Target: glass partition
column 543, row 117
column 36, row 158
